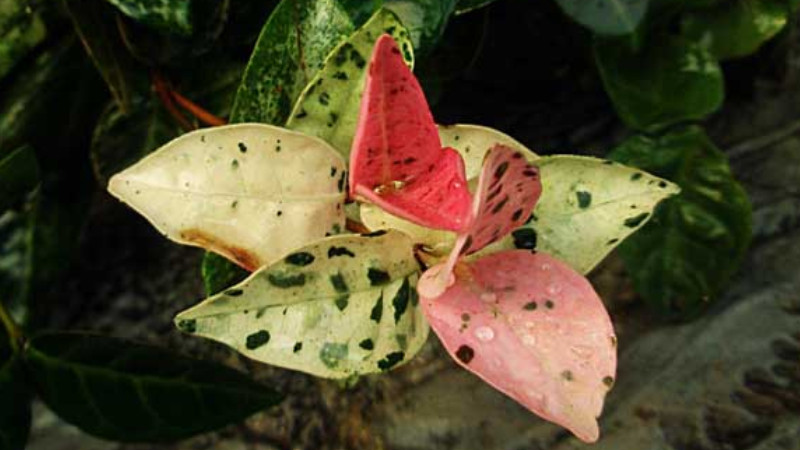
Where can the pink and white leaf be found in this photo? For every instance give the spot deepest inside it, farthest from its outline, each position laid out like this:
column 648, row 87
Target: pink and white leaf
column 534, row 329
column 397, row 161
column 508, row 189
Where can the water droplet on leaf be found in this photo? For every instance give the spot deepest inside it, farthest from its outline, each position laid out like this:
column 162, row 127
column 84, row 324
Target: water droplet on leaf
column 484, row 334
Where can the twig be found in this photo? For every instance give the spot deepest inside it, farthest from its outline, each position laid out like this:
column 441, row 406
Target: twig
column 14, row 333
column 202, row 115
column 166, row 99
column 751, row 145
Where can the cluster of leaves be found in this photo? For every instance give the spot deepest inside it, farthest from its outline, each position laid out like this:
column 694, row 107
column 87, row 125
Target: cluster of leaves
column 269, row 62
column 333, row 303
column 660, row 63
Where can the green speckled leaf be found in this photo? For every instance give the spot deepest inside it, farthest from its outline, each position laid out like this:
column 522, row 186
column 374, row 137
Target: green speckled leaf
column 737, row 28
column 172, row 16
column 21, row 29
column 328, row 107
column 124, row 391
column 472, row 142
column 250, row 192
column 609, row 17
column 684, row 257
column 669, row 81
column 292, row 47
column 344, row 305
column 588, row 206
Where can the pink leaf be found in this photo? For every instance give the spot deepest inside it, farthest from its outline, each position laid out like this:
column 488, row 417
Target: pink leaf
column 397, row 161
column 508, row 189
column 534, row 329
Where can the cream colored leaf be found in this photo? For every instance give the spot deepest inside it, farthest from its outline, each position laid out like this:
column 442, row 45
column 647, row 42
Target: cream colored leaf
column 474, row 141
column 588, row 206
column 250, row 192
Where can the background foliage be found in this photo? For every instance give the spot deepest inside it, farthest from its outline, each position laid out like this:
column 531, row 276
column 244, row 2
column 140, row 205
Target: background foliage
column 87, row 87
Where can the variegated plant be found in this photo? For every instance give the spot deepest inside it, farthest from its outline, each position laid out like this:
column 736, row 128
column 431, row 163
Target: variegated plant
column 504, row 236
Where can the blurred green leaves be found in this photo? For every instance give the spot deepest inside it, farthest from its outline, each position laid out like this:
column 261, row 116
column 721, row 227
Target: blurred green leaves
column 687, row 253
column 171, row 16
column 132, row 392
column 736, row 28
column 671, row 80
column 21, row 29
column 606, row 17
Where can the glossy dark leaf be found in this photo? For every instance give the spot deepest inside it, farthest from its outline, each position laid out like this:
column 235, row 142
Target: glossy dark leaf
column 292, row 46
column 670, row 80
column 736, row 29
column 131, row 392
column 171, row 16
column 686, row 254
column 21, row 29
column 19, row 174
column 608, row 17
column 171, row 49
column 95, row 24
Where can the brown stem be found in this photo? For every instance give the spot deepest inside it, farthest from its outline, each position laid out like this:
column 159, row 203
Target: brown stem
column 355, row 226
column 202, row 115
column 163, row 92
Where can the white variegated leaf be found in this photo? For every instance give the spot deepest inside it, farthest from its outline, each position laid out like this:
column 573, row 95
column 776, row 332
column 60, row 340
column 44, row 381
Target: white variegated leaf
column 250, row 192
column 588, row 206
column 342, row 306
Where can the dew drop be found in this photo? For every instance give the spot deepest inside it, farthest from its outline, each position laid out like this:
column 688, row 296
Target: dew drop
column 484, row 334
column 554, row 289
column 489, row 297
column 545, row 267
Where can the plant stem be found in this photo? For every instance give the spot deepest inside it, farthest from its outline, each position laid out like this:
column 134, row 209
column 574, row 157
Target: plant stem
column 14, row 333
column 196, row 110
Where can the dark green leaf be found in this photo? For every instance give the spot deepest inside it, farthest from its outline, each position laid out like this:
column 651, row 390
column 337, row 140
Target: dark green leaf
column 737, row 28
column 607, row 17
column 15, row 413
column 94, row 23
column 170, row 49
column 122, row 139
column 686, row 254
column 131, row 392
column 172, row 16
column 58, row 92
column 669, row 81
column 424, row 19
column 292, row 46
column 21, row 29
column 220, row 274
column 19, row 174
column 465, row 6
